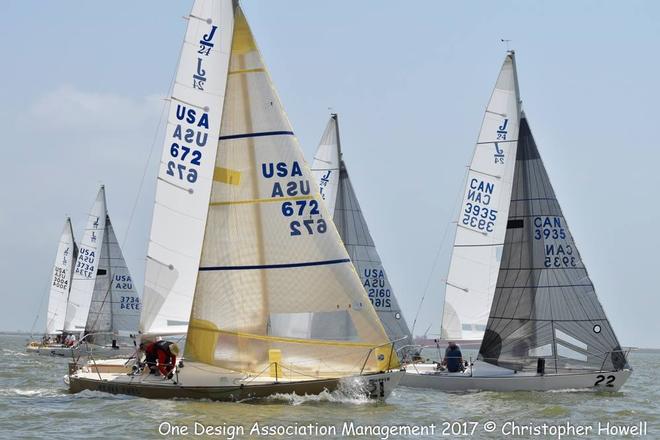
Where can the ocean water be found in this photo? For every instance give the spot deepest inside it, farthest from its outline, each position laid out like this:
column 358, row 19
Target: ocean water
column 34, row 403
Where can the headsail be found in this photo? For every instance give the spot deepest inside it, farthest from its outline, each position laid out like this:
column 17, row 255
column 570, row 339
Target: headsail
column 325, row 167
column 115, row 307
column 270, row 257
column 545, row 305
column 342, row 203
column 60, row 285
column 481, row 226
column 187, row 169
column 85, row 270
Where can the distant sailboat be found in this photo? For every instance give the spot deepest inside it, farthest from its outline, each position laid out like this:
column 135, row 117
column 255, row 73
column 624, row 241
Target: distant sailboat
column 60, row 286
column 239, row 245
column 103, row 307
column 545, row 328
column 337, row 191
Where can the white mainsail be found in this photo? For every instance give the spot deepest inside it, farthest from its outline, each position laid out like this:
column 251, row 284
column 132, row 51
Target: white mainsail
column 477, row 251
column 187, row 169
column 60, row 285
column 85, row 270
column 270, row 255
column 115, row 307
column 337, row 191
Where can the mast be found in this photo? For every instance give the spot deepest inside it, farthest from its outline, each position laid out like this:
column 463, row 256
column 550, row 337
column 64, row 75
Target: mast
column 336, row 118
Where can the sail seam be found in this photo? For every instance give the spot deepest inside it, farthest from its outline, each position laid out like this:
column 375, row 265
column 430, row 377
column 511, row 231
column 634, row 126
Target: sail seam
column 257, row 134
column 244, row 202
column 276, row 266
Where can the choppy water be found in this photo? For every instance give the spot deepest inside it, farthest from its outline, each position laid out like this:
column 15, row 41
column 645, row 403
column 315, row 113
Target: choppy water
column 34, row 403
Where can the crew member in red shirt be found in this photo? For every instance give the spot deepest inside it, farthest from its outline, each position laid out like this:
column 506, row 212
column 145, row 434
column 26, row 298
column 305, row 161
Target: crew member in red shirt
column 165, row 353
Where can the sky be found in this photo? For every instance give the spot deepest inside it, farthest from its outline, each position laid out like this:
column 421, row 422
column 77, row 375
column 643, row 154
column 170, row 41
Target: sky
column 82, row 99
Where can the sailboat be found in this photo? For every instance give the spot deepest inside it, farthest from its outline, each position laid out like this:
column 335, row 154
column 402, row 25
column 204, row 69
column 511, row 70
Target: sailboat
column 103, row 307
column 240, row 246
column 60, row 286
column 337, row 192
column 515, row 257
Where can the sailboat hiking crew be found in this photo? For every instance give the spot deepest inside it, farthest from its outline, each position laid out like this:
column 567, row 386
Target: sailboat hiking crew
column 160, row 357
column 243, row 257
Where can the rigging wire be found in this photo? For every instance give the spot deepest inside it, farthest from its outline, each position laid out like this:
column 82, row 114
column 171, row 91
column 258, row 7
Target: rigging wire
column 457, row 200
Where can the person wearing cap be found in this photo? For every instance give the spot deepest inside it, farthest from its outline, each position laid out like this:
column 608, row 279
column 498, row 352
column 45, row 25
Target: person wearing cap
column 160, row 357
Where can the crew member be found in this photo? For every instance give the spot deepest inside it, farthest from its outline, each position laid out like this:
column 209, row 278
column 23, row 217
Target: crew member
column 160, row 357
column 453, row 358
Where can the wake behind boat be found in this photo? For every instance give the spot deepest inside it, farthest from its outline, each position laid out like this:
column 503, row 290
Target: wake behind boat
column 546, row 329
column 241, row 244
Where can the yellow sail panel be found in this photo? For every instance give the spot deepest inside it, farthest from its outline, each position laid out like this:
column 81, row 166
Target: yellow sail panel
column 209, row 344
column 201, row 340
column 274, row 274
column 225, row 175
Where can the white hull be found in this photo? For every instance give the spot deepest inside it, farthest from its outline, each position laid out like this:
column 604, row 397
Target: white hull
column 207, row 382
column 84, row 350
column 498, row 381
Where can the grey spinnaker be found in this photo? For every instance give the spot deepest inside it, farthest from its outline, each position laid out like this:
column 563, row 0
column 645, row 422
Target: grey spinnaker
column 545, row 305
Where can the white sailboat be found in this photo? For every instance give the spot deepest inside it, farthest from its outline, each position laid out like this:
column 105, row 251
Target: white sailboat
column 337, row 192
column 516, row 280
column 103, row 306
column 240, row 247
column 60, row 286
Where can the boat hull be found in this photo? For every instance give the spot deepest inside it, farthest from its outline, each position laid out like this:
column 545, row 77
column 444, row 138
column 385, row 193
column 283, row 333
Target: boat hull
column 452, row 382
column 376, row 386
column 63, row 351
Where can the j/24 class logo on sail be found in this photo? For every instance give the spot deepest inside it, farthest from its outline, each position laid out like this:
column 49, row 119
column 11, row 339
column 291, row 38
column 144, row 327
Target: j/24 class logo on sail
column 502, row 131
column 300, row 205
column 205, row 46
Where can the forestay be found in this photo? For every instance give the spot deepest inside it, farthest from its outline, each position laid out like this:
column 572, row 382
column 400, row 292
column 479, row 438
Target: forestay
column 481, row 225
column 274, row 280
column 342, row 203
column 115, row 308
column 85, row 270
column 545, row 305
column 187, row 169
column 60, row 285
